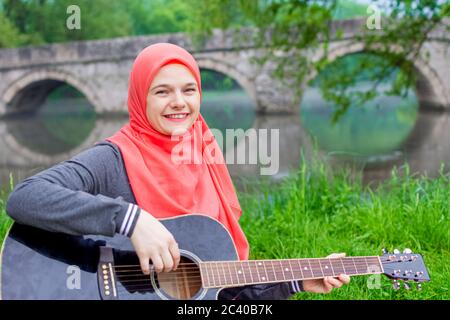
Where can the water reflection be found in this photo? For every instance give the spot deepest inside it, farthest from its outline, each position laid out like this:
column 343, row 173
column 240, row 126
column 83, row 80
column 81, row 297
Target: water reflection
column 373, row 141
column 379, row 127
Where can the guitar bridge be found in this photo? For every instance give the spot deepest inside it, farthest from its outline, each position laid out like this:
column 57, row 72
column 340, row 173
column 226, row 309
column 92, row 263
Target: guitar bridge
column 106, row 275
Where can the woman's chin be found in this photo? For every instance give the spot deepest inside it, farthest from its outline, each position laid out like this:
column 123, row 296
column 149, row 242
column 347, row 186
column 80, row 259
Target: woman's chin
column 178, row 130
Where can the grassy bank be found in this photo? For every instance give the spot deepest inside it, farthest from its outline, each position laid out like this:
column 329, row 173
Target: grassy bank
column 5, row 221
column 315, row 213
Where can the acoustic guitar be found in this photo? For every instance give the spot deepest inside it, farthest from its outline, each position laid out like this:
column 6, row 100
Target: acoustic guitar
column 37, row 264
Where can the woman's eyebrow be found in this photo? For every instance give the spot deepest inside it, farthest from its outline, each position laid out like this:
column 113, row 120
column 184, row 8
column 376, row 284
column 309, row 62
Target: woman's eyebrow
column 169, row 86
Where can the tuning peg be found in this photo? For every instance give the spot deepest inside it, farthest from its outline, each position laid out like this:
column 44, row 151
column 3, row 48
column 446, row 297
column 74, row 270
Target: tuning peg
column 419, row 286
column 384, row 250
column 396, row 251
column 406, row 286
column 407, row 251
column 396, row 285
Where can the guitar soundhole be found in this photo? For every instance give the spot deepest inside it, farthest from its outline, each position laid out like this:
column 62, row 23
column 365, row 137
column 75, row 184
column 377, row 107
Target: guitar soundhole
column 182, row 284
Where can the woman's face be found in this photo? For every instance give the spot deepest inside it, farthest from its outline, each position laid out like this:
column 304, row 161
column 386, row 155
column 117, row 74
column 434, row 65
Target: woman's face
column 173, row 101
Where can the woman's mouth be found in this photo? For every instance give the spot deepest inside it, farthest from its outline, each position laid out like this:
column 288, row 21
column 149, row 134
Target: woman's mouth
column 176, row 117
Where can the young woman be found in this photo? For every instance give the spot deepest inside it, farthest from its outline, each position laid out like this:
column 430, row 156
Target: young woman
column 127, row 182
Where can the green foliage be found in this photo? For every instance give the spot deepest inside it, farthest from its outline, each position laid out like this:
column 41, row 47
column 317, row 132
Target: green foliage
column 212, row 80
column 349, row 9
column 287, row 28
column 10, row 36
column 44, row 21
column 157, row 16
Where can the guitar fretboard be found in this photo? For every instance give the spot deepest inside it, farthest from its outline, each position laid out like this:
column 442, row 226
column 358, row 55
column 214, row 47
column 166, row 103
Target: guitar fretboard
column 216, row 274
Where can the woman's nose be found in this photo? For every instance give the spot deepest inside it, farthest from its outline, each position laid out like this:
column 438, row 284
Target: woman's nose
column 178, row 100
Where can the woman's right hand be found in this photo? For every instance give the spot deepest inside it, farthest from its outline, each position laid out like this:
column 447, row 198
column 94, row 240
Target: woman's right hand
column 152, row 241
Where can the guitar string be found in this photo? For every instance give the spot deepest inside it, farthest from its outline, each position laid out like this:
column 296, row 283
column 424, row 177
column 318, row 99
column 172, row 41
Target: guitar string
column 191, row 283
column 250, row 264
column 190, row 276
column 257, row 268
column 226, row 276
column 257, row 261
column 253, row 270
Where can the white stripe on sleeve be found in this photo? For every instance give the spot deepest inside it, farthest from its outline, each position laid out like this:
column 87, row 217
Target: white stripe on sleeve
column 130, row 221
column 125, row 220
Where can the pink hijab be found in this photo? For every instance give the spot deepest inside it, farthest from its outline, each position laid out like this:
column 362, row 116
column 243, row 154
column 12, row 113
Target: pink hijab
column 167, row 188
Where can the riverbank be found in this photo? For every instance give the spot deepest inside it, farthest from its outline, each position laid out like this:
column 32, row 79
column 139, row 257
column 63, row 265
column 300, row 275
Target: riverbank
column 314, row 213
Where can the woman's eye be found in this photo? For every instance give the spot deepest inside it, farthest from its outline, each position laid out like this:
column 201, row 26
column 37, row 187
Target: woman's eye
column 191, row 89
column 162, row 91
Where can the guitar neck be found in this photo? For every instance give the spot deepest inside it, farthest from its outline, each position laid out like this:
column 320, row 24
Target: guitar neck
column 217, row 274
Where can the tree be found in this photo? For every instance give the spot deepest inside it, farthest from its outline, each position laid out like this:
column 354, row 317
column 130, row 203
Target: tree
column 44, row 21
column 293, row 26
column 10, row 36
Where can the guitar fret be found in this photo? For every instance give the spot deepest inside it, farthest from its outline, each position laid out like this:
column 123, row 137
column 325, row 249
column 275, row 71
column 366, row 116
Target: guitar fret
column 216, row 275
column 238, row 273
column 331, row 266
column 375, row 265
column 315, row 266
column 203, row 275
column 221, row 281
column 292, row 270
column 250, row 270
column 326, row 271
column 356, row 269
column 257, row 271
column 348, row 266
column 282, row 271
column 224, row 274
column 221, row 273
column 306, row 271
column 273, row 271
column 265, row 270
column 229, row 271
column 212, row 273
column 343, row 266
column 337, row 270
column 311, row 269
column 362, row 265
column 252, row 265
column 300, row 268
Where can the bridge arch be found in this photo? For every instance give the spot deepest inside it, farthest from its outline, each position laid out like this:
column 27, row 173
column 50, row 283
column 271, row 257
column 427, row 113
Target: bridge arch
column 36, row 85
column 429, row 87
column 23, row 155
column 226, row 69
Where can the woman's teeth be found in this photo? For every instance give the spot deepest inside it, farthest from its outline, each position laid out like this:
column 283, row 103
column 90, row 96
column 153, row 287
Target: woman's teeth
column 176, row 116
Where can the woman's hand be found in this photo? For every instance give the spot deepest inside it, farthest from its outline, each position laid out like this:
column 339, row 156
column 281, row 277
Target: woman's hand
column 152, row 241
column 328, row 283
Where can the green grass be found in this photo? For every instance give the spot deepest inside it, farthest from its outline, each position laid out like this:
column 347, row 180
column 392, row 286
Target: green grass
column 5, row 221
column 315, row 212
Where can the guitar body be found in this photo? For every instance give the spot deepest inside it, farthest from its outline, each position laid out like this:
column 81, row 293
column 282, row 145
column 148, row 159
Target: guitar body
column 36, row 264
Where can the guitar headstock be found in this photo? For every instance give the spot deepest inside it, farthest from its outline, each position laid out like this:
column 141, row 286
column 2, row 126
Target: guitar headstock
column 406, row 266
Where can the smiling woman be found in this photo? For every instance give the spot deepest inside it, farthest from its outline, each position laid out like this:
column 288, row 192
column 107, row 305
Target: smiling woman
column 174, row 99
column 128, row 188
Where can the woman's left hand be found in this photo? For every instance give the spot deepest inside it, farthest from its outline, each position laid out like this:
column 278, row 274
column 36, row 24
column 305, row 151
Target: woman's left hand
column 326, row 284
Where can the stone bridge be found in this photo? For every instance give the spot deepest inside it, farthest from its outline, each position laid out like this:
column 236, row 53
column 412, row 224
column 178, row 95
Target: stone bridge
column 100, row 69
